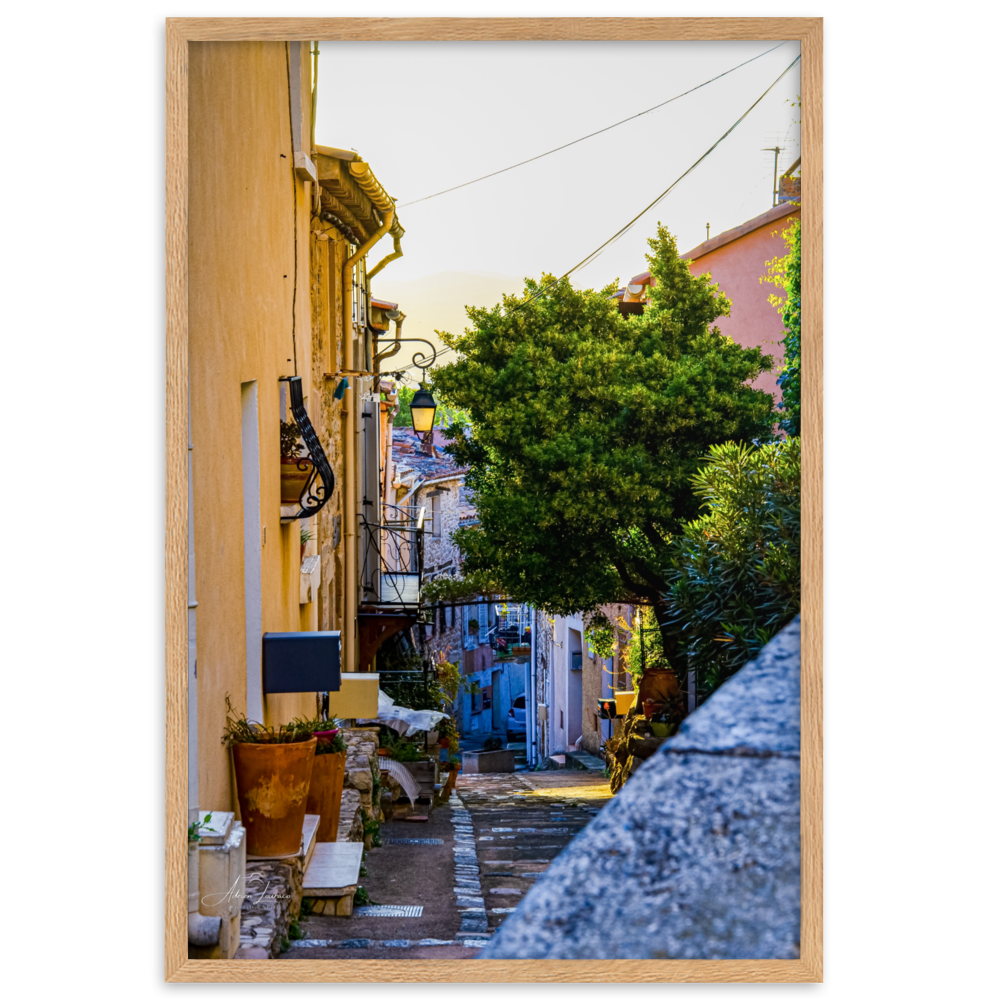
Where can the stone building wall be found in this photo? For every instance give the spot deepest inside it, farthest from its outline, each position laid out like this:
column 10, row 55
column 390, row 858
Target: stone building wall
column 440, row 552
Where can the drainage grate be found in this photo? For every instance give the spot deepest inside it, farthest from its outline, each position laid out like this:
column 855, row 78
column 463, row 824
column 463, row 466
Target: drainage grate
column 414, row 840
column 388, row 911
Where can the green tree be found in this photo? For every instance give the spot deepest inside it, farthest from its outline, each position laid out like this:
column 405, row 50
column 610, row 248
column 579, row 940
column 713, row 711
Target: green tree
column 404, row 418
column 587, row 427
column 734, row 580
column 786, row 273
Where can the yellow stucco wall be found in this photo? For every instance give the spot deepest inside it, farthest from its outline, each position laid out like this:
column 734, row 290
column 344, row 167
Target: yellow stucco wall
column 243, row 244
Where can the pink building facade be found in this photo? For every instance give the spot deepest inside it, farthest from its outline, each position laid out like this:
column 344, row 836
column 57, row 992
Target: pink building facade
column 737, row 260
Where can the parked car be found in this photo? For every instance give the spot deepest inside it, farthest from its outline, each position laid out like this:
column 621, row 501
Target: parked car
column 517, row 721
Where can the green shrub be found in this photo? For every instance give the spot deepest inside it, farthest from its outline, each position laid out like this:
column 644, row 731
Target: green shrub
column 735, row 571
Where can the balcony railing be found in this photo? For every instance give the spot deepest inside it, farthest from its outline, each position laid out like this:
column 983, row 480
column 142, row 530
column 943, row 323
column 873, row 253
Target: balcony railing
column 392, row 557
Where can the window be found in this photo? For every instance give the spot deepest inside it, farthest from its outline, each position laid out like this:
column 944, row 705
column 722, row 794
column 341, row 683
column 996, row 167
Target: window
column 488, row 696
column 436, row 515
column 449, row 616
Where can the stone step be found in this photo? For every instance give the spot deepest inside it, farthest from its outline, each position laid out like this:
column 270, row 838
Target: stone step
column 333, row 874
column 583, row 761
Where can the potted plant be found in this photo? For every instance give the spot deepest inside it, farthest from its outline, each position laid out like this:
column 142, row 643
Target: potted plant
column 424, row 770
column 326, row 786
column 663, row 729
column 447, row 733
column 295, row 467
column 273, row 767
column 305, row 537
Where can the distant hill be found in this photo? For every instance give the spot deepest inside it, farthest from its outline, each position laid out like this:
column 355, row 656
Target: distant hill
column 438, row 301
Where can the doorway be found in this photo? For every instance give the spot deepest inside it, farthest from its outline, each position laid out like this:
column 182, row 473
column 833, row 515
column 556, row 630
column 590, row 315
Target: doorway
column 574, row 686
column 497, row 706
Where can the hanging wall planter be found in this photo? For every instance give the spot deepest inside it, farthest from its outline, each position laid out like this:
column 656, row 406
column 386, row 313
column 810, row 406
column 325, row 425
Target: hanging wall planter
column 295, row 474
column 307, row 480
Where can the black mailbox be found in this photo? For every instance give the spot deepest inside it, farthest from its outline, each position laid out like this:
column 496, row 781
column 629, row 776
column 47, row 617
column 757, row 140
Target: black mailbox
column 301, row 662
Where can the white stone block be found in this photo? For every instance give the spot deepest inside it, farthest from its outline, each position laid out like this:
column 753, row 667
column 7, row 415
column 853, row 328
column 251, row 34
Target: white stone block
column 309, row 579
column 222, row 885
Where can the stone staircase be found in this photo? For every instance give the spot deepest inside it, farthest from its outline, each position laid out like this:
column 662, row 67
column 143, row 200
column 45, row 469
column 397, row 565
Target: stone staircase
column 580, row 760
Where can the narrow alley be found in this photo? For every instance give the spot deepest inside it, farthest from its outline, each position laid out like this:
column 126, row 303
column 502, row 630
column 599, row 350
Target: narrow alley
column 440, row 889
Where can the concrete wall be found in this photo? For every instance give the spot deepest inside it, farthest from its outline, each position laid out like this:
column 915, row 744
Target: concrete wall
column 737, row 268
column 249, row 218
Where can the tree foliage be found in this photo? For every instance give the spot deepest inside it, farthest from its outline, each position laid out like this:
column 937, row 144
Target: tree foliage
column 452, row 589
column 786, row 273
column 735, row 574
column 587, row 427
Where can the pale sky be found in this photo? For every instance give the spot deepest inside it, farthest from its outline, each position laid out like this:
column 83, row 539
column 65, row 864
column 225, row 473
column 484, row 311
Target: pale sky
column 429, row 115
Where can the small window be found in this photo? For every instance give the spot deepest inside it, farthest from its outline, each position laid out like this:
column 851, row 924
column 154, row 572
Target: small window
column 519, row 701
column 436, row 516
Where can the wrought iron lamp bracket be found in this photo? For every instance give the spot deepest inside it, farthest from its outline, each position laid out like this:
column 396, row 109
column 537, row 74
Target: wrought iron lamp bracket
column 419, row 358
column 319, row 486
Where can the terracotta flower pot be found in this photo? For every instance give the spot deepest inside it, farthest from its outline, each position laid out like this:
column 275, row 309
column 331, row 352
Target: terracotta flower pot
column 295, row 472
column 272, row 785
column 325, row 791
column 658, row 684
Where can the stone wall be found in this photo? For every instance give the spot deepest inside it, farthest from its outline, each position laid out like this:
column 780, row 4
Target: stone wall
column 362, row 754
column 699, row 855
column 440, row 552
column 272, row 901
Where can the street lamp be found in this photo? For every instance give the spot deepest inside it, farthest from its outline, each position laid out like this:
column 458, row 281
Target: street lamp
column 422, row 409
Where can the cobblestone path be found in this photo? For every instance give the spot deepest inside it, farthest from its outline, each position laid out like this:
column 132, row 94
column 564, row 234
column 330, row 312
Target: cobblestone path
column 468, row 867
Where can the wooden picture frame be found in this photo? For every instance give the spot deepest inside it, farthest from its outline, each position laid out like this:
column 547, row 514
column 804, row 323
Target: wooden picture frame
column 179, row 33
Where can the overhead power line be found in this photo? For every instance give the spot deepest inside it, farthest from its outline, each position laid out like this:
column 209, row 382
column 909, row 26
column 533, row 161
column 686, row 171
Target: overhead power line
column 628, row 225
column 607, row 128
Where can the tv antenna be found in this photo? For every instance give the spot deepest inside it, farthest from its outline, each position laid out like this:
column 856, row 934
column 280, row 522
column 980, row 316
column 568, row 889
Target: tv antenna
column 776, row 150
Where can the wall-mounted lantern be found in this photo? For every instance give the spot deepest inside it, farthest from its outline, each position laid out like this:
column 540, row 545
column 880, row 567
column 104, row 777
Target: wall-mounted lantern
column 422, row 409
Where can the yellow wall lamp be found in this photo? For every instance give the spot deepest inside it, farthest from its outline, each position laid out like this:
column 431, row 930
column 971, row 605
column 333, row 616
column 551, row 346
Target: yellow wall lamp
column 422, row 409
